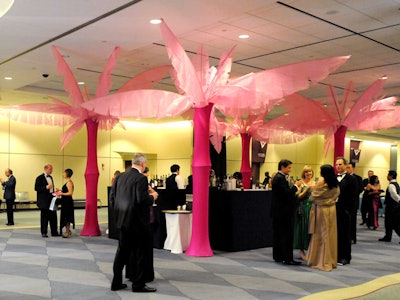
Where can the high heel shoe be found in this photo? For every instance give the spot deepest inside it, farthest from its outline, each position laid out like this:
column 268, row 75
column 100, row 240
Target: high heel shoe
column 67, row 234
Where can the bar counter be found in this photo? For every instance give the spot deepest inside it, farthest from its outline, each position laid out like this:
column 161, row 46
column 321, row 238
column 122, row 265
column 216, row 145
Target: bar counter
column 240, row 220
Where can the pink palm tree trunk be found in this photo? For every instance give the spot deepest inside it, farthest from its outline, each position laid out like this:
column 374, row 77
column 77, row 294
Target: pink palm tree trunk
column 200, row 243
column 340, row 136
column 245, row 168
column 91, row 224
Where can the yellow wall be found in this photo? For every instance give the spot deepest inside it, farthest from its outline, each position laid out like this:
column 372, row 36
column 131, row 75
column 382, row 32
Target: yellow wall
column 26, row 148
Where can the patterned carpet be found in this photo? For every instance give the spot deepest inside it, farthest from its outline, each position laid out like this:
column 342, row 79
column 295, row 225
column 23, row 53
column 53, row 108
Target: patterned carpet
column 32, row 267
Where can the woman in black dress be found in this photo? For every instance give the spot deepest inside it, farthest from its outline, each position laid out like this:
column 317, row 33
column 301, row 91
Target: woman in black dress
column 67, row 204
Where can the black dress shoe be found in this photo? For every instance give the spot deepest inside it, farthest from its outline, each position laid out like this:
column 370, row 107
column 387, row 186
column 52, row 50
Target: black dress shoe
column 362, row 223
column 143, row 289
column 385, row 239
column 278, row 260
column 343, row 262
column 291, row 262
column 56, row 234
column 117, row 287
column 10, row 224
column 45, row 235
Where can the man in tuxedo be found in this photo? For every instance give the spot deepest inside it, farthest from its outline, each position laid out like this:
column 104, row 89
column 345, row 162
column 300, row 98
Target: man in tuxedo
column 9, row 194
column 283, row 207
column 392, row 199
column 44, row 187
column 360, row 188
column 344, row 206
column 132, row 203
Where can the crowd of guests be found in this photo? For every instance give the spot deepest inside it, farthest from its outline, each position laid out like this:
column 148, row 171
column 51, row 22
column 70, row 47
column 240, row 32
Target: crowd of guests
column 319, row 217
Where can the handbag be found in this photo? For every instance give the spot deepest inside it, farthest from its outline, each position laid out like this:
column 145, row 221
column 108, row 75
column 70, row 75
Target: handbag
column 53, row 204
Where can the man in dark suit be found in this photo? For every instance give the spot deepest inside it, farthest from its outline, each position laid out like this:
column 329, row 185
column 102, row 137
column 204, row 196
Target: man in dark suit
column 344, row 206
column 283, row 207
column 9, row 194
column 44, row 187
column 392, row 200
column 365, row 201
column 132, row 200
column 360, row 188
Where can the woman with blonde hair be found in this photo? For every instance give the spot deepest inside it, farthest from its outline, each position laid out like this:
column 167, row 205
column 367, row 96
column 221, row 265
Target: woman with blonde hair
column 301, row 219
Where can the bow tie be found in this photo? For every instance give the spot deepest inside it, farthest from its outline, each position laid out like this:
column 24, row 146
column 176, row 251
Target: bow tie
column 341, row 175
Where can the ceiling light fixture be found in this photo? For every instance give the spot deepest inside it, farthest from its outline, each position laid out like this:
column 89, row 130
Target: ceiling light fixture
column 243, row 36
column 5, row 6
column 8, row 78
column 384, row 77
column 155, row 21
column 81, row 82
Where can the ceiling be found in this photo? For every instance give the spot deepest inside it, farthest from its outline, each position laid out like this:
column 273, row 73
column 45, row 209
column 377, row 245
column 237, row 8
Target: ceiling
column 281, row 32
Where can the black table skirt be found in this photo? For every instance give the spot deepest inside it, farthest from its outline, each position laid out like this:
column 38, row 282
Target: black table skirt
column 240, row 220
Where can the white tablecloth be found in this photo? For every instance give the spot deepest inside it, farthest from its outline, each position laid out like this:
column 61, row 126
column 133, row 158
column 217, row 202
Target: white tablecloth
column 179, row 230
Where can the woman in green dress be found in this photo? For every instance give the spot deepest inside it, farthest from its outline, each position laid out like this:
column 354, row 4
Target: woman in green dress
column 302, row 214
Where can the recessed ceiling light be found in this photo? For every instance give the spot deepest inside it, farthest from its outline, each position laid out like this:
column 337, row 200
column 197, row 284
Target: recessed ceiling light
column 243, row 36
column 384, row 77
column 5, row 6
column 81, row 82
column 8, row 78
column 155, row 21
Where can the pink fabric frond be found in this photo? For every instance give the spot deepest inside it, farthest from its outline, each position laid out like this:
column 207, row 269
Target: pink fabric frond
column 300, row 116
column 146, row 79
column 360, row 109
column 70, row 84
column 67, row 136
column 381, row 119
column 185, row 72
column 217, row 131
column 279, row 82
column 140, row 104
column 201, row 65
column 105, row 81
column 349, row 97
column 222, row 75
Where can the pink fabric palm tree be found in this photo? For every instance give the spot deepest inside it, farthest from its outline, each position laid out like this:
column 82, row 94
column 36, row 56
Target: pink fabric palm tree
column 367, row 112
column 209, row 86
column 76, row 115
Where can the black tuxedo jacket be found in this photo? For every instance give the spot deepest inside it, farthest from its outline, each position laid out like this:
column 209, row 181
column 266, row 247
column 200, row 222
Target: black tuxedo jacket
column 348, row 192
column 132, row 202
column 43, row 195
column 283, row 196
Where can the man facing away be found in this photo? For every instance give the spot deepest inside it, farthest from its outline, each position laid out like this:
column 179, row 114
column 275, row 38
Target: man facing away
column 175, row 180
column 9, row 194
column 132, row 201
column 44, row 187
column 365, row 202
column 344, row 206
column 392, row 198
column 283, row 207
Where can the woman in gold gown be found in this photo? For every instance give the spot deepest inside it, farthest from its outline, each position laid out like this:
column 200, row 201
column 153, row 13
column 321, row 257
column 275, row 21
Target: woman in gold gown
column 322, row 251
